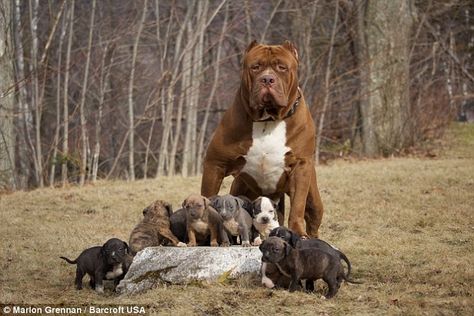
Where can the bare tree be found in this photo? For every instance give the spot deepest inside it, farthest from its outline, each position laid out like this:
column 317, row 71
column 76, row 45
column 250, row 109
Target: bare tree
column 7, row 136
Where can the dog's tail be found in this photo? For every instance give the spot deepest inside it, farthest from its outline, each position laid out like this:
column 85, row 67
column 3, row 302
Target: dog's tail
column 351, row 281
column 69, row 260
column 343, row 257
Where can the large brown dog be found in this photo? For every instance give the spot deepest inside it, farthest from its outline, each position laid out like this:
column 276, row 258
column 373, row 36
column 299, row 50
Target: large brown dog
column 266, row 139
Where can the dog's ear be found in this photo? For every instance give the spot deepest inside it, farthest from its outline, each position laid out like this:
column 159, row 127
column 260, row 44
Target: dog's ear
column 239, row 201
column 169, row 209
column 127, row 248
column 207, row 202
column 292, row 48
column 294, row 238
column 251, row 45
column 287, row 249
column 145, row 210
column 183, row 205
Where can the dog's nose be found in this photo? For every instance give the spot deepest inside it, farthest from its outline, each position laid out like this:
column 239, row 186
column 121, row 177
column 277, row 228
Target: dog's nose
column 265, row 220
column 267, row 80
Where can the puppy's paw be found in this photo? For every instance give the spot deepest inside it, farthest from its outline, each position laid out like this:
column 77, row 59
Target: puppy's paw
column 246, row 243
column 214, row 244
column 181, row 244
column 257, row 241
column 191, row 244
column 267, row 282
column 225, row 244
column 99, row 289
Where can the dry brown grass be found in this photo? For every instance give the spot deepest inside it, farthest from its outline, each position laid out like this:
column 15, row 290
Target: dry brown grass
column 406, row 224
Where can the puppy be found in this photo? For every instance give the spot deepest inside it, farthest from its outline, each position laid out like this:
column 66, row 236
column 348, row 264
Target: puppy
column 237, row 221
column 202, row 220
column 154, row 229
column 265, row 217
column 107, row 262
column 295, row 241
column 299, row 264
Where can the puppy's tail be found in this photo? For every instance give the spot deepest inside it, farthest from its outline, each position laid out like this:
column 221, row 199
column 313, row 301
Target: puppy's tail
column 351, row 281
column 343, row 257
column 69, row 260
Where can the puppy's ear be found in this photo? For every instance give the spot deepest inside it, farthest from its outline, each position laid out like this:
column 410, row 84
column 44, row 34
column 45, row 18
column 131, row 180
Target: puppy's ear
column 183, row 205
column 207, row 202
column 287, row 249
column 145, row 210
column 239, row 201
column 294, row 238
column 169, row 209
column 127, row 248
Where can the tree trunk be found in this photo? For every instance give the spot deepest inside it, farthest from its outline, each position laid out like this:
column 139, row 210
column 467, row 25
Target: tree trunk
column 383, row 48
column 35, row 91
column 7, row 136
column 82, row 171
column 131, row 116
column 65, row 147
column 25, row 121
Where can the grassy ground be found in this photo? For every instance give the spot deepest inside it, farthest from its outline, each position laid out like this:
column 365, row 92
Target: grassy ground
column 406, row 224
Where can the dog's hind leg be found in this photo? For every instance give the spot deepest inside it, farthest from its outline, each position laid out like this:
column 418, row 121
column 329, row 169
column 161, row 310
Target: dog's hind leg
column 92, row 282
column 79, row 277
column 314, row 210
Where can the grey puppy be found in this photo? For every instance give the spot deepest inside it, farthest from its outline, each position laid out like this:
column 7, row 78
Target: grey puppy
column 237, row 221
column 295, row 241
column 107, row 262
column 303, row 264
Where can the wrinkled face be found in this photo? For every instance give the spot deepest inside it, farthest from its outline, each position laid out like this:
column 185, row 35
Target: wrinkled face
column 195, row 206
column 269, row 78
column 157, row 210
column 274, row 249
column 281, row 232
column 264, row 210
column 114, row 250
column 227, row 206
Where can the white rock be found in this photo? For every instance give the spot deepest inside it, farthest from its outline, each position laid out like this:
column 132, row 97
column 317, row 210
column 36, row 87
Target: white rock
column 177, row 265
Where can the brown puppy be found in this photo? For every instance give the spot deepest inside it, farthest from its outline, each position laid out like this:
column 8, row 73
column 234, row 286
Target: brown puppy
column 203, row 220
column 304, row 264
column 154, row 229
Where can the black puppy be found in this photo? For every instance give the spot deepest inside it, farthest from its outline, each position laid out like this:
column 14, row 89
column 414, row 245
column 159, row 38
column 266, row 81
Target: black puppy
column 109, row 262
column 295, row 241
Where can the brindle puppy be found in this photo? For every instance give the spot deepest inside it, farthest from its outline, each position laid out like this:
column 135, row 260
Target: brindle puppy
column 202, row 220
column 154, row 229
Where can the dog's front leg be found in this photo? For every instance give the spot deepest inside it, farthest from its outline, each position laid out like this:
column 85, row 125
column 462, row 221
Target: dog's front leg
column 99, row 286
column 191, row 237
column 244, row 233
column 294, row 284
column 212, row 177
column 298, row 192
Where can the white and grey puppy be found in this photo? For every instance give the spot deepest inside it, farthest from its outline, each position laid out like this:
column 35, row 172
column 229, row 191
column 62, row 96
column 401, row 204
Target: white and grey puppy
column 265, row 217
column 237, row 221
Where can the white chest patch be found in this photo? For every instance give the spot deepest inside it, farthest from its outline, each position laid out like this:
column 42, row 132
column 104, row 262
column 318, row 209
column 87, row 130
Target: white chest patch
column 116, row 272
column 265, row 160
column 232, row 226
column 200, row 226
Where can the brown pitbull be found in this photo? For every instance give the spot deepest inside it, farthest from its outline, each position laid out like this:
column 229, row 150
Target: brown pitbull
column 202, row 220
column 266, row 139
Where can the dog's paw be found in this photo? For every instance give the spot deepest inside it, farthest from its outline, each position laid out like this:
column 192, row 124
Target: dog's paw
column 215, row 244
column 99, row 289
column 181, row 244
column 191, row 244
column 257, row 241
column 267, row 282
column 225, row 244
column 246, row 243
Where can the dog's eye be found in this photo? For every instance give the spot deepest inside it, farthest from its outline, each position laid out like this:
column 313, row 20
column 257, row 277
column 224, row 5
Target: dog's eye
column 281, row 67
column 255, row 67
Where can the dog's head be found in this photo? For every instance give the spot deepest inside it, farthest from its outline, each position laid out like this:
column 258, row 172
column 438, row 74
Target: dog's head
column 274, row 249
column 195, row 205
column 269, row 80
column 227, row 205
column 157, row 210
column 286, row 234
column 114, row 251
column 264, row 210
